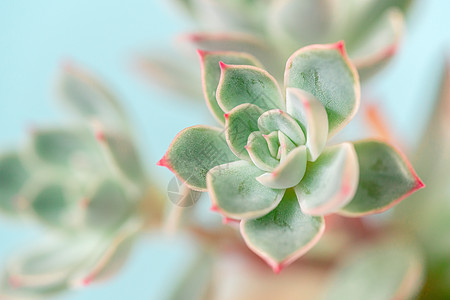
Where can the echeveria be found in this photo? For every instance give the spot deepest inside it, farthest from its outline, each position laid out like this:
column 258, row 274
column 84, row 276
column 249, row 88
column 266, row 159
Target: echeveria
column 85, row 183
column 272, row 167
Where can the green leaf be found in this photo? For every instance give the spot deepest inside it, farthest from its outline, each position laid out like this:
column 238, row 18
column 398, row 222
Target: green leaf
column 50, row 202
column 241, row 121
column 330, row 182
column 108, row 206
column 89, row 98
column 283, row 235
column 386, row 269
column 272, row 142
column 195, row 151
column 311, row 115
column 248, row 84
column 235, row 192
column 326, row 72
column 289, row 172
column 259, row 152
column 210, row 70
column 385, row 178
column 13, row 176
column 276, row 119
column 286, row 146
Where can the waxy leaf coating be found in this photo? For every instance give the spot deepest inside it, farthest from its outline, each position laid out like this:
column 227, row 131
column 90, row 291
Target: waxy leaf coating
column 13, row 176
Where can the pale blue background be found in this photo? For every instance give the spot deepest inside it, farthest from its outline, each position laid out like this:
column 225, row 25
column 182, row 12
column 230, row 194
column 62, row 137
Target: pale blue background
column 35, row 36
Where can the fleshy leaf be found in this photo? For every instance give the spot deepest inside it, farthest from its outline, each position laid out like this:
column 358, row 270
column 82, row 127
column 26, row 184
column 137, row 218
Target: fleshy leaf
column 87, row 97
column 272, row 142
column 13, row 176
column 259, row 152
column 195, row 151
column 235, row 192
column 248, row 84
column 311, row 115
column 389, row 269
column 50, row 202
column 283, row 235
column 326, row 72
column 286, row 145
column 330, row 182
column 289, row 172
column 385, row 178
column 108, row 206
column 276, row 119
column 241, row 121
column 210, row 70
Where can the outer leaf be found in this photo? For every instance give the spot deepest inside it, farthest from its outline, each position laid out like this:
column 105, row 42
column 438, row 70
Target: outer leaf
column 311, row 114
column 276, row 119
column 289, row 172
column 241, row 121
column 330, row 182
column 326, row 72
column 389, row 269
column 284, row 234
column 247, row 84
column 50, row 202
column 195, row 151
column 13, row 176
column 210, row 69
column 87, row 97
column 235, row 192
column 259, row 152
column 385, row 178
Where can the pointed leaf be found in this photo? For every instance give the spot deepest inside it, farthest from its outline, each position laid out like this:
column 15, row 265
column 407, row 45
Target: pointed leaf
column 13, row 176
column 272, row 142
column 210, row 69
column 276, row 119
column 235, row 192
column 259, row 152
column 289, row 172
column 330, row 182
column 326, row 72
column 283, row 235
column 248, row 84
column 87, row 97
column 195, row 151
column 241, row 121
column 389, row 269
column 286, row 146
column 311, row 115
column 385, row 178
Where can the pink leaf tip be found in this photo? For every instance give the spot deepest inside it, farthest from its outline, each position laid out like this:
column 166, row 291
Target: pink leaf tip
column 223, row 66
column 227, row 220
column 214, row 208
column 341, row 47
column 100, row 135
column 163, row 162
column 277, row 268
column 227, row 115
column 14, row 281
column 201, row 53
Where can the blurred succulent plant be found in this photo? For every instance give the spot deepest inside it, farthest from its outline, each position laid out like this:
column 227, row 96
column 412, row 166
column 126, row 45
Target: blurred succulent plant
column 271, row 168
column 273, row 29
column 86, row 183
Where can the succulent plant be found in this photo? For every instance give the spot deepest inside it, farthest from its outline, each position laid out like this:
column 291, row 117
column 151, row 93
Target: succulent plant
column 273, row 29
column 84, row 182
column 272, row 167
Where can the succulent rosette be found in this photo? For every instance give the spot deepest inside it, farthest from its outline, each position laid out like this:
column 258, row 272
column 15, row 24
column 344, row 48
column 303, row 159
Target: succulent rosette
column 272, row 167
column 85, row 183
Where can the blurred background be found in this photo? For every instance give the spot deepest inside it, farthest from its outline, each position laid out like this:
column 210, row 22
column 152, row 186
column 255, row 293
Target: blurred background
column 36, row 37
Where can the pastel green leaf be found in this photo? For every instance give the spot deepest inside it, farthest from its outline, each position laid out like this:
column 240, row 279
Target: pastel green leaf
column 276, row 119
column 326, row 72
column 283, row 235
column 50, row 203
column 88, row 97
column 330, row 182
column 385, row 178
column 235, row 192
column 123, row 156
column 312, row 116
column 195, row 151
column 286, row 145
column 272, row 142
column 259, row 153
column 13, row 176
column 248, row 84
column 67, row 148
column 211, row 73
column 108, row 206
column 386, row 269
column 241, row 121
column 289, row 172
